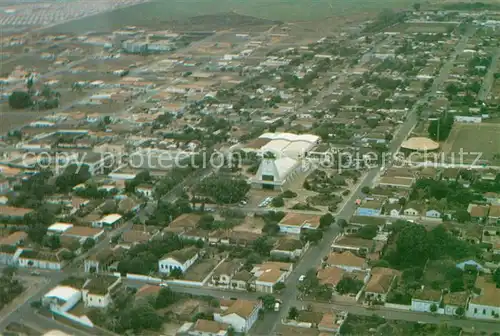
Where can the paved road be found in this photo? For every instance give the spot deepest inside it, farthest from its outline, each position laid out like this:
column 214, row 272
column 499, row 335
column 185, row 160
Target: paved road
column 490, row 77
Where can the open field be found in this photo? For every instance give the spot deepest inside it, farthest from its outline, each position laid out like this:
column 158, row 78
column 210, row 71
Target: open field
column 164, row 12
column 474, row 138
column 421, row 28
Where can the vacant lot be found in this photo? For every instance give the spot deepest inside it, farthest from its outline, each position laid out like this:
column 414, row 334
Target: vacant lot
column 474, row 138
column 163, row 13
column 421, row 28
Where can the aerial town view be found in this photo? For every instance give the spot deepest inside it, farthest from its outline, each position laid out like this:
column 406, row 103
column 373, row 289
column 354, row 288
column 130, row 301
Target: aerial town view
column 236, row 167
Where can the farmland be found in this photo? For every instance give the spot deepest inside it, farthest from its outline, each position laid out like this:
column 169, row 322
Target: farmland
column 176, row 12
column 474, row 138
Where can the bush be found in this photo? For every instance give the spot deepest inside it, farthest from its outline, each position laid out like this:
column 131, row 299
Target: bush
column 278, row 202
column 288, row 194
column 20, row 100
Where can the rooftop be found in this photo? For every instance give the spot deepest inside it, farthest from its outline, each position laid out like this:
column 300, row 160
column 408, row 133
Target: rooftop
column 243, row 308
column 182, row 255
column 345, row 259
column 100, row 284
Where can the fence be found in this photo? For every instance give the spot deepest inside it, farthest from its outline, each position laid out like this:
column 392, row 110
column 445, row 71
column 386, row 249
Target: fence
column 140, row 277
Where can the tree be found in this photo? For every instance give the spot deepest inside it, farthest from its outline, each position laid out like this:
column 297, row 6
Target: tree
column 326, row 220
column 268, row 301
column 176, row 273
column 416, row 6
column 433, row 308
column 365, row 190
column 342, row 223
column 278, row 202
column 293, row 313
column 368, row 231
column 20, row 100
column 460, row 311
column 224, row 189
column 88, row 244
column 349, row 285
column 496, row 277
column 279, row 286
column 462, row 216
column 165, row 298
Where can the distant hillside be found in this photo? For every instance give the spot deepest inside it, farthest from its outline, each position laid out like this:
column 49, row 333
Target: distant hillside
column 163, row 12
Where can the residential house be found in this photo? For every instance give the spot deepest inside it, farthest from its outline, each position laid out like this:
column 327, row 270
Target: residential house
column 13, row 213
column 433, row 213
column 486, row 305
column 393, row 209
column 269, row 274
column 494, row 214
column 294, row 223
column 14, row 239
column 183, row 223
column 478, row 213
column 352, row 243
column 58, row 228
column 4, row 185
column 133, row 237
column 289, row 248
column 370, row 208
column 424, row 299
column 492, row 198
column 204, row 328
column 331, row 322
column 414, row 209
column 240, row 314
column 347, row 261
column 330, row 276
column 83, row 233
column 51, row 260
column 242, row 280
column 108, row 222
column 452, row 301
column 396, row 182
column 102, row 260
column 180, row 259
column 97, row 291
column 222, row 275
column 381, row 281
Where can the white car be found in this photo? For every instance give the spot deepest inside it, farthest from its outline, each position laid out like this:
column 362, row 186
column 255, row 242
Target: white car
column 302, row 277
column 163, row 284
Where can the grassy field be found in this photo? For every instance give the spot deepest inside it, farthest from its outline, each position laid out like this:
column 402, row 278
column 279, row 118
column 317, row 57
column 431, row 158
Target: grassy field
column 421, row 28
column 159, row 12
column 478, row 138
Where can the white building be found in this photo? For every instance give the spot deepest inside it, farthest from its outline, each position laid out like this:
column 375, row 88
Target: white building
column 181, row 259
column 97, row 291
column 241, row 314
column 108, row 221
column 269, row 274
column 487, row 304
column 61, row 298
column 469, row 119
column 58, row 228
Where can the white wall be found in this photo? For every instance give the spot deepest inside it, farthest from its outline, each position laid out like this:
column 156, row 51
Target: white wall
column 166, row 265
column 94, row 300
column 482, row 312
column 290, row 229
column 422, row 306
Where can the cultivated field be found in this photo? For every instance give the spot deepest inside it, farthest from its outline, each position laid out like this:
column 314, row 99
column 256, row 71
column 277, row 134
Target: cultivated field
column 474, row 138
column 161, row 13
